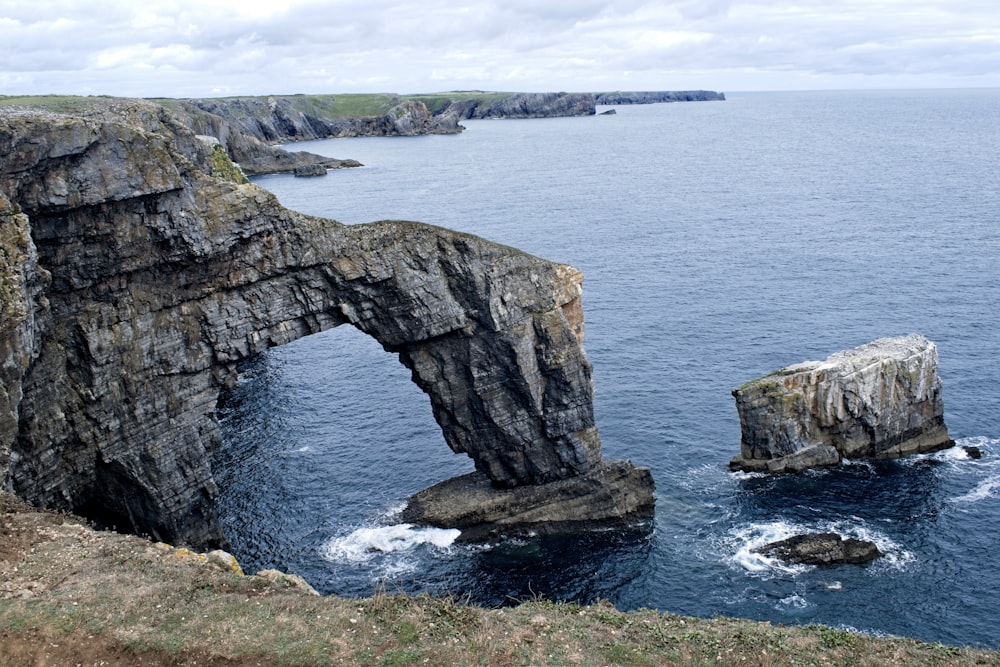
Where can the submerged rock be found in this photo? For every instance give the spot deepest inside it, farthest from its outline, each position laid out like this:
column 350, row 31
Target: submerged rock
column 880, row 400
column 821, row 549
column 613, row 494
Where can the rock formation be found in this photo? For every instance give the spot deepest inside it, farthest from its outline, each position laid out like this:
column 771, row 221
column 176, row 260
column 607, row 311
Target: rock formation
column 134, row 281
column 880, row 400
column 821, row 549
column 522, row 105
column 474, row 505
column 309, row 170
column 248, row 126
column 659, row 96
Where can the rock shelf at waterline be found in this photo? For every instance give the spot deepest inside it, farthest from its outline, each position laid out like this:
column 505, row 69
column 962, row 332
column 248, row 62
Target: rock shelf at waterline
column 879, row 400
column 821, row 549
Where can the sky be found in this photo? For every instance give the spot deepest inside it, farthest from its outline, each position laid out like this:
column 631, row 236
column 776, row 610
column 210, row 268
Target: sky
column 205, row 48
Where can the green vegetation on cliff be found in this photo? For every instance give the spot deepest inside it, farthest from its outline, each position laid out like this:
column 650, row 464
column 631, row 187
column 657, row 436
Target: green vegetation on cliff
column 223, row 167
column 55, row 103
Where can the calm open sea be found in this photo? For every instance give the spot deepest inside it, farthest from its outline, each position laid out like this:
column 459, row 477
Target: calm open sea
column 720, row 241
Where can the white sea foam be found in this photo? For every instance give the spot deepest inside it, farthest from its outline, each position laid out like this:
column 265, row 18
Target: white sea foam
column 745, row 539
column 859, row 463
column 365, row 544
column 794, row 601
column 987, row 488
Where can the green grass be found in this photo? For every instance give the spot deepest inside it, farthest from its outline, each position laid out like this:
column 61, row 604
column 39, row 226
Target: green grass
column 350, row 105
column 56, row 103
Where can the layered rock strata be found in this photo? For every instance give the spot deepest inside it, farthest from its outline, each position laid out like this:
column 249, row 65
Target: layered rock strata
column 134, row 281
column 880, row 400
column 482, row 512
column 659, row 96
column 248, row 126
column 522, row 105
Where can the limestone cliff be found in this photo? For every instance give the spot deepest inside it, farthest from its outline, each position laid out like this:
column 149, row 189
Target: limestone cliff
column 879, row 400
column 145, row 280
column 248, row 126
column 521, row 105
column 659, row 96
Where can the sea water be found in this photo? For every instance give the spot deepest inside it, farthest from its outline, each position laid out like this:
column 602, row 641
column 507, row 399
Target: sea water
column 720, row 241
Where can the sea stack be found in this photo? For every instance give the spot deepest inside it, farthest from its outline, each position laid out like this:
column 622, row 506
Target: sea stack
column 879, row 400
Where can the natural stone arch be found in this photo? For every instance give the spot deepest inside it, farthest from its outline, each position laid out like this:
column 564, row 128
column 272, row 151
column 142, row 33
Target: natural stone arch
column 161, row 278
column 491, row 334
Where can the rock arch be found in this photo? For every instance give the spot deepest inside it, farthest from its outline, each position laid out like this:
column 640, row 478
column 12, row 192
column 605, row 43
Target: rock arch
column 153, row 279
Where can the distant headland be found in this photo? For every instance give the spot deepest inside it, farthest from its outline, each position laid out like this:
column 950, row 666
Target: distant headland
column 249, row 128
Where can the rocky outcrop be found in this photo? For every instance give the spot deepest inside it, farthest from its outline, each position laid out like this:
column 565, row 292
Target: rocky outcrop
column 145, row 280
column 296, row 118
column 249, row 126
column 880, row 400
column 611, row 494
column 821, row 549
column 243, row 139
column 522, row 105
column 310, row 170
column 658, row 96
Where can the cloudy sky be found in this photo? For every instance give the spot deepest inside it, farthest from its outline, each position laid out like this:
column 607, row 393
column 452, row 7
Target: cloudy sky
column 188, row 48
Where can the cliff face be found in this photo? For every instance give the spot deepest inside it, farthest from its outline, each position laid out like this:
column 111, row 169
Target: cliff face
column 247, row 126
column 879, row 400
column 23, row 309
column 659, row 96
column 145, row 280
column 523, row 105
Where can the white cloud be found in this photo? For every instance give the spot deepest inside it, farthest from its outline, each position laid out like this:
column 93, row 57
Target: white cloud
column 194, row 48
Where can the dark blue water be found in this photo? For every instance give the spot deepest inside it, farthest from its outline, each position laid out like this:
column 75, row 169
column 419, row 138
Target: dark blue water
column 720, row 241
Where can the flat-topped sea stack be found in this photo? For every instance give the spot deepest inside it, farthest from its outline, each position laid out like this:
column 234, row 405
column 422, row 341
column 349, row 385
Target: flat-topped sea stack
column 879, row 400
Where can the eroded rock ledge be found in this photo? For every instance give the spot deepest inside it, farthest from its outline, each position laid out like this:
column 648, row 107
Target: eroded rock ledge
column 879, row 400
column 482, row 512
column 134, row 282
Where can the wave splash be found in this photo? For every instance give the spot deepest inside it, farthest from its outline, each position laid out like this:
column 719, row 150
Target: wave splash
column 743, row 540
column 365, row 544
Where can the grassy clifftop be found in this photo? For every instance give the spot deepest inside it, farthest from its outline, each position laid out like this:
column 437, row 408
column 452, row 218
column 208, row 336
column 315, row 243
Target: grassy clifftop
column 358, row 105
column 70, row 595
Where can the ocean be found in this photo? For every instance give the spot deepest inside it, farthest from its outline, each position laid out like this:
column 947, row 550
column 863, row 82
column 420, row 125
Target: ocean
column 720, row 241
